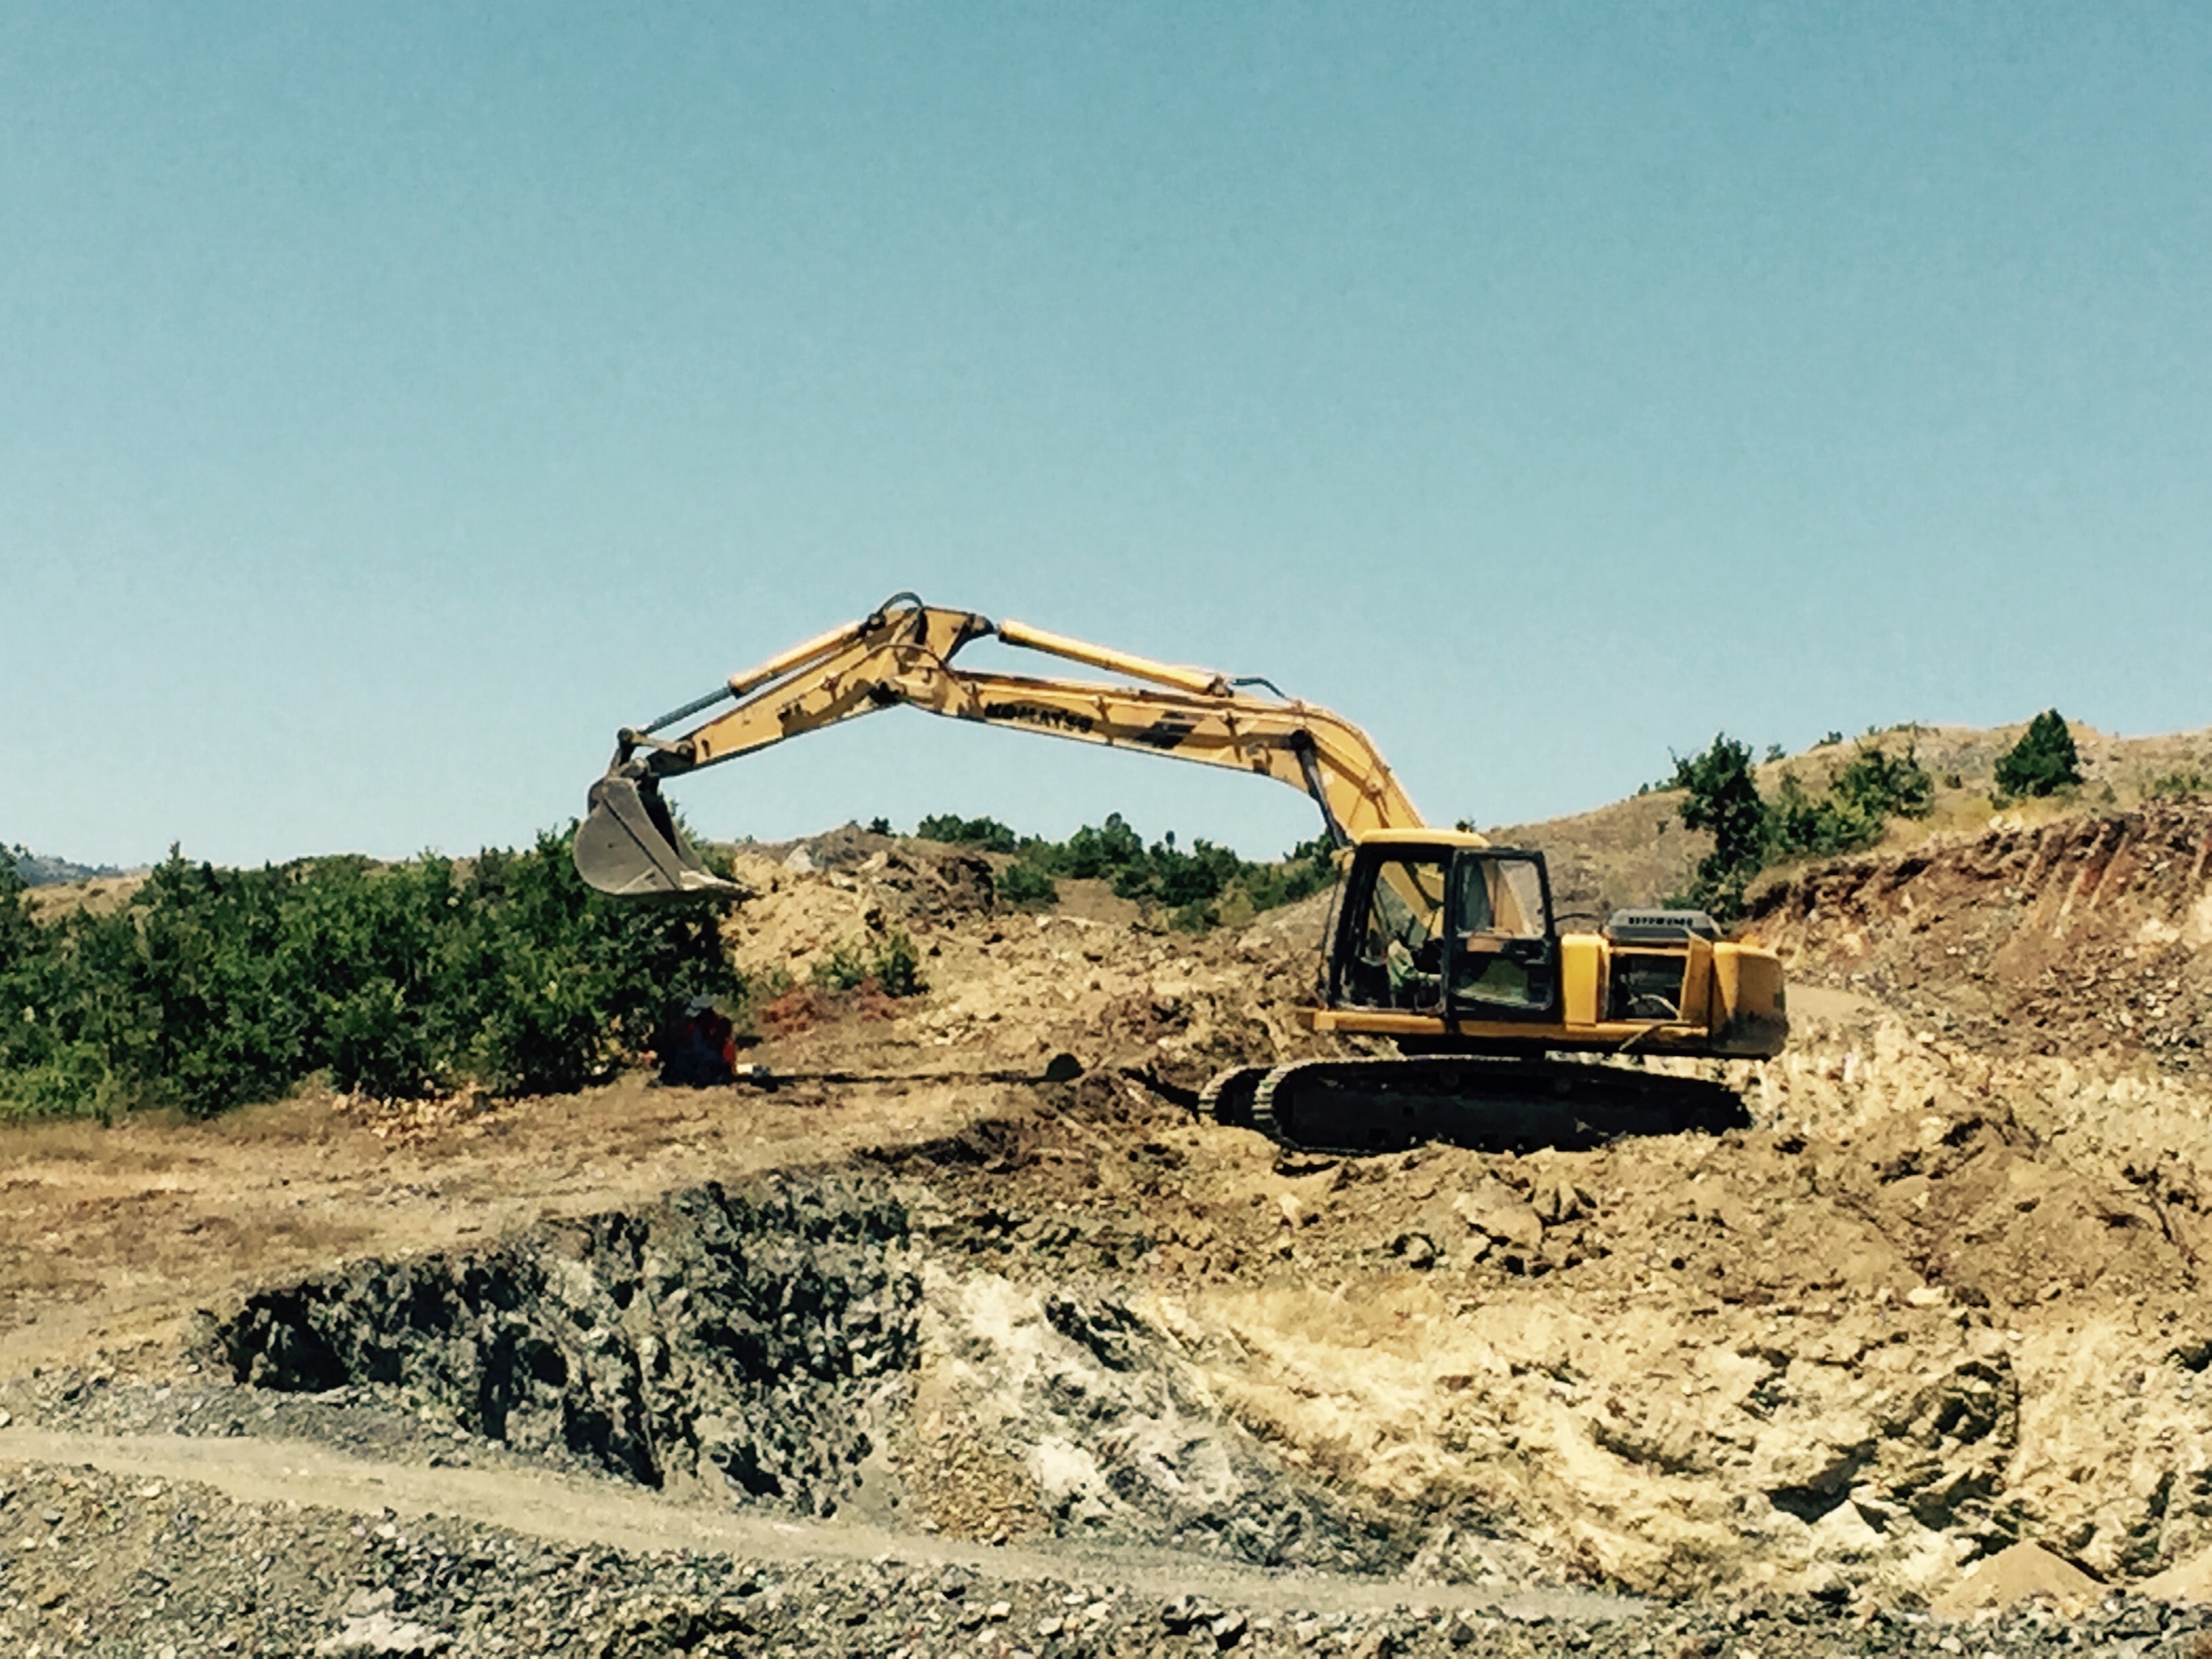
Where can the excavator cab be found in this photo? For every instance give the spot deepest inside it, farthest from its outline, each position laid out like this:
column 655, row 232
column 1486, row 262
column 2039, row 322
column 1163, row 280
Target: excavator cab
column 1446, row 928
column 1502, row 959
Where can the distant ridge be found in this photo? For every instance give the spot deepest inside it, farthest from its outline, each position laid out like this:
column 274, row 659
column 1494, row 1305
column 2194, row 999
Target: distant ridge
column 39, row 871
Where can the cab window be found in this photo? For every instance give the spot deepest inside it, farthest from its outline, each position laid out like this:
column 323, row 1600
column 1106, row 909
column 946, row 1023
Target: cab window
column 1399, row 962
column 1501, row 956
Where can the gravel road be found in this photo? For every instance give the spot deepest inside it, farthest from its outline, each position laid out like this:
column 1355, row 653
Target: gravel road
column 172, row 1547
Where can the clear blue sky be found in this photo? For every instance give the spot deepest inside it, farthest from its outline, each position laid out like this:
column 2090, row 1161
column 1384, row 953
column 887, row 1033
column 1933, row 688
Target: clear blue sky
column 396, row 399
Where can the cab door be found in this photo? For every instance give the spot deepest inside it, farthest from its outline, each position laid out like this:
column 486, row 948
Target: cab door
column 1501, row 958
column 1390, row 934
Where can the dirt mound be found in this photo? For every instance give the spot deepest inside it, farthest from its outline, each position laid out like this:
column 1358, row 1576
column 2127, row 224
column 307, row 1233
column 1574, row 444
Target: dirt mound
column 1010, row 987
column 846, row 889
column 2025, row 1572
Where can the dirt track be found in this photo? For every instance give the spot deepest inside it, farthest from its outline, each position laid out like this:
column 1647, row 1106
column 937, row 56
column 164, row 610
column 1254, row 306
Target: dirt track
column 574, row 1509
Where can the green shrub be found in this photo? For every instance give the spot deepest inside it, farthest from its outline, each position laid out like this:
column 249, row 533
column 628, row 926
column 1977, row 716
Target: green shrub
column 844, row 967
column 2185, row 781
column 1027, row 887
column 1305, row 870
column 212, row 989
column 1091, row 854
column 1864, row 793
column 1749, row 832
column 1799, row 822
column 1884, row 786
column 2042, row 762
column 1195, row 886
column 892, row 965
column 899, row 966
column 989, row 834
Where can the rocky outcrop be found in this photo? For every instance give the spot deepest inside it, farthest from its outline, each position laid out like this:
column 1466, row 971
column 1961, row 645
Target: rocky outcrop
column 750, row 1338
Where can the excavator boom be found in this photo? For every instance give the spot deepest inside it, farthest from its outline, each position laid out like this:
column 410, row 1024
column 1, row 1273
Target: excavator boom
column 902, row 654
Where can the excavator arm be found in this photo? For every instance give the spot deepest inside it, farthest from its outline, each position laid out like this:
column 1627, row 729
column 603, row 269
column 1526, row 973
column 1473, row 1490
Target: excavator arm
column 902, row 654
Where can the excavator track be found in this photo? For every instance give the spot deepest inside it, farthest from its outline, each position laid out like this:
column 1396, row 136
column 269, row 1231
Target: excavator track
column 1227, row 1096
column 1385, row 1105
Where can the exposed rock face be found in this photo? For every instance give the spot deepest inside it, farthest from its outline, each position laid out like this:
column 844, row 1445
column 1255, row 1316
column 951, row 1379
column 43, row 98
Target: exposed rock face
column 749, row 1338
column 772, row 1341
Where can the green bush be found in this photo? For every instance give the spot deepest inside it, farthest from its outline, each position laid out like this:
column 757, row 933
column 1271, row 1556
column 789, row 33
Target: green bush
column 1750, row 832
column 1194, row 885
column 1091, row 854
column 1027, row 886
column 211, row 988
column 1800, row 823
column 989, row 834
column 1885, row 786
column 893, row 966
column 2185, row 781
column 1864, row 793
column 899, row 966
column 2042, row 762
column 1305, row 870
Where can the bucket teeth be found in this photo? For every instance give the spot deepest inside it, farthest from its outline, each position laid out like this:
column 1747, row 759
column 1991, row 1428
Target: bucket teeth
column 630, row 846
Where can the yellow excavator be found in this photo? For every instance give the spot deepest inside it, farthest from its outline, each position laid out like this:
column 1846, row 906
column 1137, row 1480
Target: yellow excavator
column 1438, row 942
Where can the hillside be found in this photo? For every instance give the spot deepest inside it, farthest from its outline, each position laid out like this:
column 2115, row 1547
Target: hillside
column 1635, row 850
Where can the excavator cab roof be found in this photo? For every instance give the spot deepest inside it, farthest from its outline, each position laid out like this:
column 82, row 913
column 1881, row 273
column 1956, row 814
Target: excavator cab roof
column 1456, row 839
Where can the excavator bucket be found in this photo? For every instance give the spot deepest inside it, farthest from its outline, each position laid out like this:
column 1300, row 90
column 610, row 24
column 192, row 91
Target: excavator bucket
column 629, row 846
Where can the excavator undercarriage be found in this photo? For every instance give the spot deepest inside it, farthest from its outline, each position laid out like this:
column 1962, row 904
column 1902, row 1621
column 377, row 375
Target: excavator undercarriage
column 1387, row 1103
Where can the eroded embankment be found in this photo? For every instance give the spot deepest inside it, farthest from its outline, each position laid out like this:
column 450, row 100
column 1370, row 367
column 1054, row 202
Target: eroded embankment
column 798, row 1345
column 2074, row 939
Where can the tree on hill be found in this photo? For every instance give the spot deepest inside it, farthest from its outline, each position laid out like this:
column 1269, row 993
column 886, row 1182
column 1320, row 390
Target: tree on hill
column 2043, row 762
column 1722, row 795
column 987, row 833
column 1724, row 798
